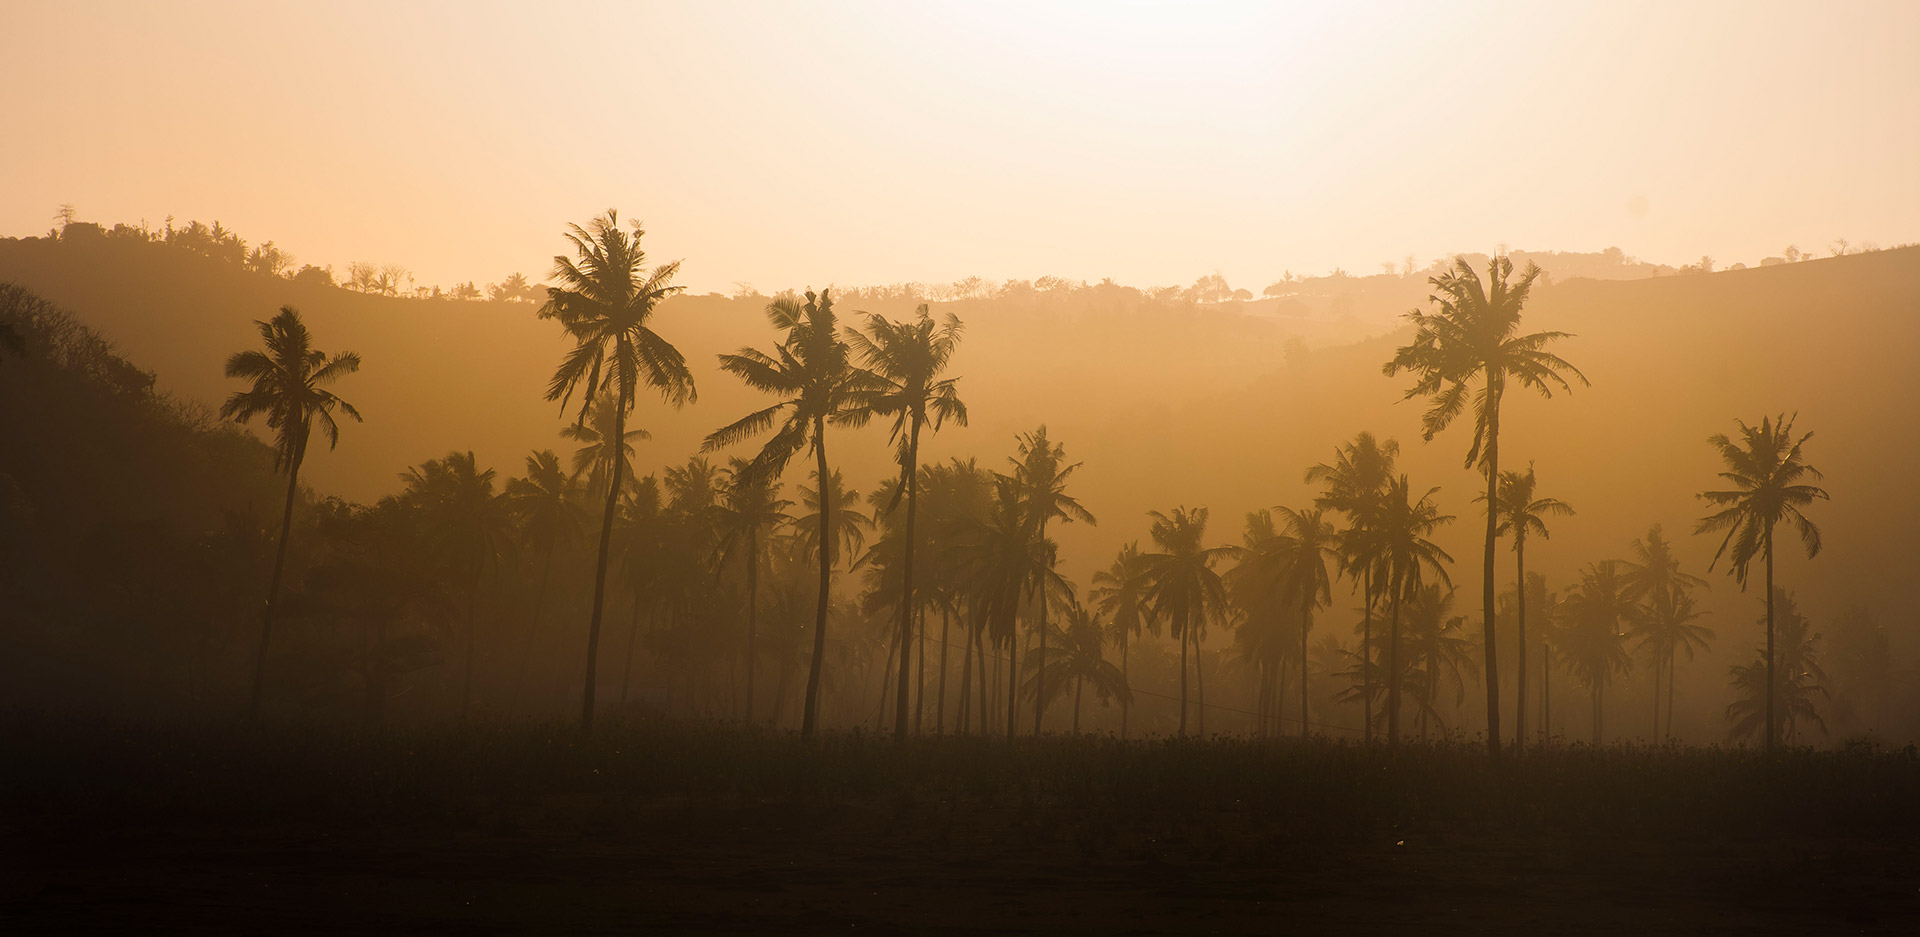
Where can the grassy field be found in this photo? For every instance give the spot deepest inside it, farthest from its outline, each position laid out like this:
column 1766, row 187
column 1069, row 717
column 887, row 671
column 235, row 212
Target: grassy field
column 718, row 829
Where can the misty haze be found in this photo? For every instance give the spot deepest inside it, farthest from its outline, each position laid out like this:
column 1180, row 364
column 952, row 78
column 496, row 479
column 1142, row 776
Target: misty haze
column 1083, row 467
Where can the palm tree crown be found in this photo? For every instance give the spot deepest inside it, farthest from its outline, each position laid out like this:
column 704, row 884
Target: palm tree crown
column 289, row 386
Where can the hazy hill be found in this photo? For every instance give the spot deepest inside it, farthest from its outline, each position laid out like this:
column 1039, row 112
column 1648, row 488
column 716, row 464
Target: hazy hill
column 1171, row 403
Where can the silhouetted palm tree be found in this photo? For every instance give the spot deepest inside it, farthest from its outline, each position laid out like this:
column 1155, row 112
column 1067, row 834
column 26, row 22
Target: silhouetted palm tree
column 1120, row 595
column 1005, row 569
column 1666, row 627
column 289, row 388
column 466, row 526
column 1399, row 544
column 1356, row 481
column 605, row 299
column 1766, row 468
column 1295, row 564
column 752, row 509
column 1521, row 514
column 550, row 518
column 1185, row 590
column 811, row 372
column 1472, row 335
column 1596, row 616
column 1798, row 679
column 595, row 458
column 1438, row 652
column 1078, row 662
column 1041, row 481
column 907, row 358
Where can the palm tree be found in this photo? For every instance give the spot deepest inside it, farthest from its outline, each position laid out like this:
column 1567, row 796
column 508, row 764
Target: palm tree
column 1356, row 480
column 289, row 387
column 752, row 509
column 1041, row 480
column 1120, row 595
column 595, row 456
column 1473, row 335
column 1666, row 627
column 1294, row 563
column 605, row 300
column 1766, row 470
column 1597, row 613
column 1400, row 546
column 1803, row 679
column 1438, row 651
column 907, row 358
column 550, row 518
column 1184, row 588
column 817, row 383
column 1004, row 570
column 466, row 525
column 1521, row 514
column 1080, row 661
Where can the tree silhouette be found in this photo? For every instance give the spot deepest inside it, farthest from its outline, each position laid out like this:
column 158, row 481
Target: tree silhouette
column 752, row 509
column 550, row 518
column 289, row 388
column 1079, row 662
column 1766, row 468
column 1293, row 564
column 907, row 359
column 811, row 372
column 466, row 526
column 1796, row 691
column 1473, row 335
column 605, row 298
column 595, row 459
column 1040, row 479
column 1005, row 569
column 1120, row 594
column 1597, row 613
column 1399, row 545
column 1438, row 652
column 1356, row 482
column 1185, row 590
column 1653, row 579
column 1522, row 515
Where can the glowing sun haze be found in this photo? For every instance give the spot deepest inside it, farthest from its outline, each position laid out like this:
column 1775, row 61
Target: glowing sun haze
column 787, row 144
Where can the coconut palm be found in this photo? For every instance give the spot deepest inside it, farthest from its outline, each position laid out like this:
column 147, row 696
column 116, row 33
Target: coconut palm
column 1399, row 544
column 1266, row 619
column 1184, row 588
column 595, row 456
column 1294, row 564
column 289, row 388
column 811, row 372
column 545, row 502
column 1079, row 661
column 1040, row 477
column 1665, row 627
column 1596, row 615
column 1119, row 595
column 1006, row 570
column 1438, row 652
column 1797, row 682
column 907, row 359
column 1473, row 336
column 751, row 510
column 1522, row 515
column 1356, row 480
column 1767, row 472
column 605, row 299
column 466, row 525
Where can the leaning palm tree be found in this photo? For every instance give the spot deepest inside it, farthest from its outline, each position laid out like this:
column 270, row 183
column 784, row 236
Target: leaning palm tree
column 1185, row 589
column 1522, row 515
column 1355, row 482
column 606, row 299
column 907, row 359
column 1767, row 470
column 1040, row 477
column 1402, row 549
column 751, row 510
column 289, row 387
column 1120, row 595
column 1473, row 336
column 811, row 372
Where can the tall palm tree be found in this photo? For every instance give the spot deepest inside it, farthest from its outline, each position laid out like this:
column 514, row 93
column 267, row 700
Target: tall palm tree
column 605, row 299
column 1473, row 335
column 1402, row 549
column 1767, row 472
column 1438, row 652
column 1356, row 481
column 1080, row 661
column 811, row 371
column 752, row 509
column 1803, row 679
column 1665, row 628
column 466, row 525
column 1522, row 515
column 289, row 388
column 1597, row 615
column 1005, row 570
column 550, row 518
column 1120, row 594
column 1185, row 589
column 1296, row 565
column 907, row 359
column 1040, row 477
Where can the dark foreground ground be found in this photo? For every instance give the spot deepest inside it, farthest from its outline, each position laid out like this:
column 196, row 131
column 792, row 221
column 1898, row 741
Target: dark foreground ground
column 115, row 829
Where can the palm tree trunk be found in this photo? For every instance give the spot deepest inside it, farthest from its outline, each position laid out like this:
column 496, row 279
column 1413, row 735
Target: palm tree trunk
column 1079, row 686
column 1039, row 698
column 1655, row 735
column 466, row 683
column 1183, row 684
column 1486, row 592
column 826, row 581
column 1199, row 685
column 1670, row 663
column 911, row 469
column 1013, row 682
column 273, row 589
column 539, row 603
column 962, row 709
column 600, row 567
column 1596, row 712
column 980, row 652
column 1306, row 625
column 1546, row 693
column 1773, row 734
column 1125, row 704
column 940, row 701
column 1366, row 654
column 920, row 673
column 1393, row 667
column 1520, row 627
column 633, row 635
column 753, row 613
column 886, row 680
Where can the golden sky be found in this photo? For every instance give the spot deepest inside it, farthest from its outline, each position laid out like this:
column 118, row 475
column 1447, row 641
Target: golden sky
column 793, row 144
